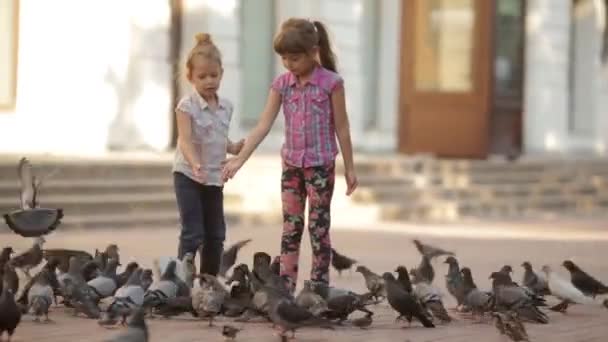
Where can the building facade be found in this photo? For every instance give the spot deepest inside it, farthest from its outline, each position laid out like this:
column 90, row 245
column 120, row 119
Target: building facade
column 455, row 78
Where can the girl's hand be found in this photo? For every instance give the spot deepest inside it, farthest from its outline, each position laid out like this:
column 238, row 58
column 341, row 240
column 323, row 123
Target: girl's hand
column 237, row 147
column 231, row 167
column 198, row 173
column 351, row 181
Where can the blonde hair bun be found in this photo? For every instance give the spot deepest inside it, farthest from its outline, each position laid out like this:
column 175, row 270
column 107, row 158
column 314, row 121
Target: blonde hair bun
column 203, row 38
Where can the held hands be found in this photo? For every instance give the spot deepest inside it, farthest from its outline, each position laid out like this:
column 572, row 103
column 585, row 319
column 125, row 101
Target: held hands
column 231, row 167
column 237, row 147
column 198, row 173
column 351, row 181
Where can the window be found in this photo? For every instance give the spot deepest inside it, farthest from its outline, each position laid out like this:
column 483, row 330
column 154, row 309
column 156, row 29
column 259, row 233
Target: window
column 9, row 33
column 256, row 57
column 605, row 38
column 509, row 46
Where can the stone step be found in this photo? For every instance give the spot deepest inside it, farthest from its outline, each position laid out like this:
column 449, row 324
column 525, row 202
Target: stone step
column 156, row 219
column 388, row 193
column 109, row 203
column 94, row 169
column 98, row 186
column 455, row 210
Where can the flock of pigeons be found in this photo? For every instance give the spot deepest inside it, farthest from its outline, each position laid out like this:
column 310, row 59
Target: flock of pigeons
column 91, row 285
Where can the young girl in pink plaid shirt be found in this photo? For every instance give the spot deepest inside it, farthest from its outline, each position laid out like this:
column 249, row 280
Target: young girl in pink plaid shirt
column 312, row 95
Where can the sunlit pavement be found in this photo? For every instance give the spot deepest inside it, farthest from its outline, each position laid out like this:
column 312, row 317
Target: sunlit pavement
column 482, row 246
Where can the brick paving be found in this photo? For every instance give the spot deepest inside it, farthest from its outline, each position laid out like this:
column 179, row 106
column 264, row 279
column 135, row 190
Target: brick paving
column 381, row 250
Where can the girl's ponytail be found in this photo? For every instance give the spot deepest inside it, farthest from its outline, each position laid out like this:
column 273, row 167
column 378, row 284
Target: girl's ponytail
column 327, row 56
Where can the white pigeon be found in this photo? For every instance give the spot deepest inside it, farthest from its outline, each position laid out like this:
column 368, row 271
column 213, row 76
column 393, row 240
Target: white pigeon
column 563, row 289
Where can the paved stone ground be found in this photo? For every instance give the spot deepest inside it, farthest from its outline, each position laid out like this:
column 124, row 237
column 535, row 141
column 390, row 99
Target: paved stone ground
column 483, row 247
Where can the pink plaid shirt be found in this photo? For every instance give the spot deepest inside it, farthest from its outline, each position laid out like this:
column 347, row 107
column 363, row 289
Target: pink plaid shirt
column 310, row 133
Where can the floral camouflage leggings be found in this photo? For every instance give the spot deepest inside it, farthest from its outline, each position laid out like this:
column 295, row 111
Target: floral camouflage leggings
column 316, row 183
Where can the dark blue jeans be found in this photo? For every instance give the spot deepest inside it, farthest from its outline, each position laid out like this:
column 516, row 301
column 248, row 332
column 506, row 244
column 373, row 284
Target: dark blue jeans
column 201, row 211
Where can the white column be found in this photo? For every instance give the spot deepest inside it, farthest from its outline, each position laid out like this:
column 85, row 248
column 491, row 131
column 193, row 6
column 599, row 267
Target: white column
column 547, row 79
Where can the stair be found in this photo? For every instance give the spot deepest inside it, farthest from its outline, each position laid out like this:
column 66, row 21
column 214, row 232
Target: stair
column 116, row 194
column 447, row 190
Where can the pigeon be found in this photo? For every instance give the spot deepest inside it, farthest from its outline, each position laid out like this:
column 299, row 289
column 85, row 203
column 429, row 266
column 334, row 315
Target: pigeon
column 373, row 282
column 432, row 300
column 49, row 270
column 478, row 301
column 229, row 256
column 10, row 278
column 430, row 251
column 275, row 266
column 124, row 276
column 31, row 220
column 424, row 272
column 104, row 285
column 64, row 255
column 188, row 269
column 454, row 281
column 341, row 306
column 363, row 322
column 137, row 329
column 509, row 296
column 310, row 300
column 290, row 317
column 534, row 281
column 403, row 278
column 5, row 256
column 10, row 315
column 406, row 304
column 166, row 287
column 127, row 299
column 341, row 262
column 262, row 275
column 75, row 276
column 583, row 281
column 564, row 290
column 229, row 332
column 240, row 291
column 81, row 299
column 40, row 295
column 30, row 258
column 209, row 299
column 146, row 279
column 176, row 306
column 508, row 324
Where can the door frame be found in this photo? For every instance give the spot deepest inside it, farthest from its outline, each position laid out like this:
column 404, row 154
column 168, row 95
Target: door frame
column 480, row 95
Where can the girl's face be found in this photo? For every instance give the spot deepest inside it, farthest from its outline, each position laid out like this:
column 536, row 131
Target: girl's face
column 206, row 76
column 299, row 64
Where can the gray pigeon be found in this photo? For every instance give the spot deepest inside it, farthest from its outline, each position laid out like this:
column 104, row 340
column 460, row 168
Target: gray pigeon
column 454, row 281
column 310, row 300
column 478, row 301
column 406, row 304
column 430, row 251
column 509, row 296
column 146, row 279
column 229, row 256
column 424, row 272
column 137, row 329
column 373, row 282
column 30, row 258
column 81, row 299
column 30, row 220
column 126, row 299
column 10, row 315
column 209, row 299
column 534, row 281
column 105, row 284
column 40, row 295
column 290, row 317
column 507, row 323
column 165, row 288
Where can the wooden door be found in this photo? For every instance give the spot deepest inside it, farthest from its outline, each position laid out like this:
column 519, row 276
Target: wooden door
column 445, row 77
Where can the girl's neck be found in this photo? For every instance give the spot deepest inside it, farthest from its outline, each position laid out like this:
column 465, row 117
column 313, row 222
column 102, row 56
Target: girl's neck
column 212, row 101
column 302, row 79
